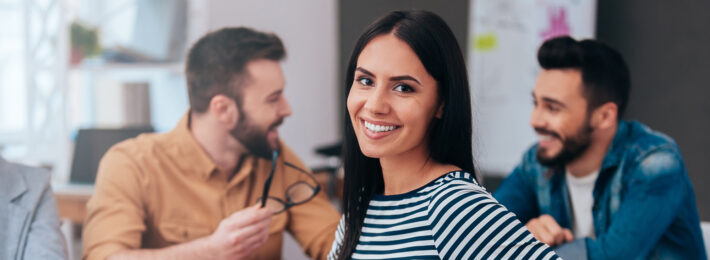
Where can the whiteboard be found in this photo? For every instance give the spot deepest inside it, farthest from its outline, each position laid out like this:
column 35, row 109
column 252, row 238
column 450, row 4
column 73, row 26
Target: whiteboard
column 504, row 36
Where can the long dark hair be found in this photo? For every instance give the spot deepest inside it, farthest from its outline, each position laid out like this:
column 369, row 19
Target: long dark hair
column 450, row 137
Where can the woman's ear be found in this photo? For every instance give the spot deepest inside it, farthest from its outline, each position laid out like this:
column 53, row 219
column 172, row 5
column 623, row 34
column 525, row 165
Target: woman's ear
column 225, row 109
column 605, row 116
column 439, row 111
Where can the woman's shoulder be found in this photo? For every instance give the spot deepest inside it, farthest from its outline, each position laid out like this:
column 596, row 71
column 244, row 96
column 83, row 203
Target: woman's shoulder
column 467, row 222
column 454, row 188
column 456, row 180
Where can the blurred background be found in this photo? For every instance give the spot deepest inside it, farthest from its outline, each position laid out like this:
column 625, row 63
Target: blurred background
column 77, row 76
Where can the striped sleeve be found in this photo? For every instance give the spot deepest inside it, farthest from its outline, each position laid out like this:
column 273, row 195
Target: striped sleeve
column 468, row 223
column 338, row 239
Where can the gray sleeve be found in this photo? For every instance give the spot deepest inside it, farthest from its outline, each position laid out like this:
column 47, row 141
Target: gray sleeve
column 575, row 250
column 45, row 240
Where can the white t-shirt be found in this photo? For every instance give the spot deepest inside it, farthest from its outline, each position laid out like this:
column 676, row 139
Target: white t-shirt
column 581, row 194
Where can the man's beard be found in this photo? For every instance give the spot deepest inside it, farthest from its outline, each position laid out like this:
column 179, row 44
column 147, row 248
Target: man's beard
column 253, row 138
column 572, row 147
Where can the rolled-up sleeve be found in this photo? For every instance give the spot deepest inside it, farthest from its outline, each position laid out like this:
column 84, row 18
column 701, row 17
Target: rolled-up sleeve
column 115, row 213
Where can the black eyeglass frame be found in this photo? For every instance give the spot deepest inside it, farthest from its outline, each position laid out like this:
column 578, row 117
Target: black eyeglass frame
column 288, row 203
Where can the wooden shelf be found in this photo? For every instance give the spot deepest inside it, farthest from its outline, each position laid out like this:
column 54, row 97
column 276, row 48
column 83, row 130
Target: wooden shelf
column 175, row 67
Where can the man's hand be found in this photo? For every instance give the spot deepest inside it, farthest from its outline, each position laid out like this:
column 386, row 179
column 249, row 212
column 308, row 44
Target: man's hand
column 240, row 234
column 546, row 229
column 236, row 237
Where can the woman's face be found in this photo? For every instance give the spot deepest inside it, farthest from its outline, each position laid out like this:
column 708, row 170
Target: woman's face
column 393, row 99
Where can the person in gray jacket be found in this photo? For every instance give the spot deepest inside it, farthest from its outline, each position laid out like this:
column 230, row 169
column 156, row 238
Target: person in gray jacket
column 29, row 222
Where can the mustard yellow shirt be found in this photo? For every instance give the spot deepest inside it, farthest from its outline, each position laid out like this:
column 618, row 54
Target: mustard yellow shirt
column 159, row 190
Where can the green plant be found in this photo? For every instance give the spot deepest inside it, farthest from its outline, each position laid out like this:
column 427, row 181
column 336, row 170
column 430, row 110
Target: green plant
column 84, row 39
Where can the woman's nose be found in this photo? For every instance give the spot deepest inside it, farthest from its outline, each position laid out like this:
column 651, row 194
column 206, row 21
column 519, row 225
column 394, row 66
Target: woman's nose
column 376, row 102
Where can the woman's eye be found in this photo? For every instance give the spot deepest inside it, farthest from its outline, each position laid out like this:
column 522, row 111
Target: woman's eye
column 403, row 88
column 364, row 81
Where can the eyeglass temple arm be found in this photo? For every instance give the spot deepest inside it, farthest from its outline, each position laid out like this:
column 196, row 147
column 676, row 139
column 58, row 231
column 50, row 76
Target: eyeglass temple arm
column 307, row 173
column 267, row 185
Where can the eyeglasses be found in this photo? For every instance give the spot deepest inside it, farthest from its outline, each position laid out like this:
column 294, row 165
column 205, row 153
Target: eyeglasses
column 296, row 193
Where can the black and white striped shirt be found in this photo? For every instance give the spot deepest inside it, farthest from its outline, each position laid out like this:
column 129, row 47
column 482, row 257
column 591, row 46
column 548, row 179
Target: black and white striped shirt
column 450, row 218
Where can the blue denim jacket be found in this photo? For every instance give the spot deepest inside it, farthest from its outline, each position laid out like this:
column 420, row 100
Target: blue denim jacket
column 644, row 205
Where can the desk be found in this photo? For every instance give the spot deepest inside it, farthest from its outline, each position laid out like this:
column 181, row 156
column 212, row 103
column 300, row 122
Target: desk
column 331, row 184
column 71, row 200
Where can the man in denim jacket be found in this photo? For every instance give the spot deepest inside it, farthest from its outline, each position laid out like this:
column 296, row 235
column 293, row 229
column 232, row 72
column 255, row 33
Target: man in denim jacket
column 596, row 186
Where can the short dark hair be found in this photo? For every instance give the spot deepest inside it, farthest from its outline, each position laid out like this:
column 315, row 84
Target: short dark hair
column 215, row 64
column 605, row 76
column 450, row 137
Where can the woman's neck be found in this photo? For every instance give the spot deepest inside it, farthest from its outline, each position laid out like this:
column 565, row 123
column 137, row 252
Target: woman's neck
column 410, row 170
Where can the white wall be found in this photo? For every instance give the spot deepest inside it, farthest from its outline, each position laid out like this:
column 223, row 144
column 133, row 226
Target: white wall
column 503, row 42
column 309, row 32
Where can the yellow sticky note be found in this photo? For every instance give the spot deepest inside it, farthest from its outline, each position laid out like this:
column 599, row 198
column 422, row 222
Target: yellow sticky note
column 485, row 42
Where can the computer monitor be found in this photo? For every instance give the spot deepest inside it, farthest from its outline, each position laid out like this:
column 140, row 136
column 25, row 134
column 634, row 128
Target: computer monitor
column 91, row 145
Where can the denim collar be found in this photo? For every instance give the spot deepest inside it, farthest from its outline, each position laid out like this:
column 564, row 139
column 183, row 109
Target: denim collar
column 616, row 150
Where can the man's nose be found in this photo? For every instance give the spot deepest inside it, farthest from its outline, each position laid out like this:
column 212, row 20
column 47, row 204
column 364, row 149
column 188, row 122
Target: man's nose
column 536, row 119
column 285, row 108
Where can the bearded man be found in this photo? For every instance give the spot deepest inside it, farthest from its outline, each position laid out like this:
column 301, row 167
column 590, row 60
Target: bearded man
column 596, row 186
column 194, row 192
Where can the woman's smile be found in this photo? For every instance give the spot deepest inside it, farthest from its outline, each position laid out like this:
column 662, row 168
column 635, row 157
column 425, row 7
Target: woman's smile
column 378, row 129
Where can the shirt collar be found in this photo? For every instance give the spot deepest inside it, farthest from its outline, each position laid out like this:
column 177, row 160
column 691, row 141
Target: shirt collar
column 613, row 156
column 187, row 152
column 190, row 155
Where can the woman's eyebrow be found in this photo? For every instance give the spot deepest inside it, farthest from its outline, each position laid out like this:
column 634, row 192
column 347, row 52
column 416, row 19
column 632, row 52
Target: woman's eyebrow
column 405, row 77
column 365, row 71
column 395, row 78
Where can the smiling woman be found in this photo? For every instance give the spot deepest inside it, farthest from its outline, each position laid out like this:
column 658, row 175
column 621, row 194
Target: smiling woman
column 410, row 188
column 391, row 106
